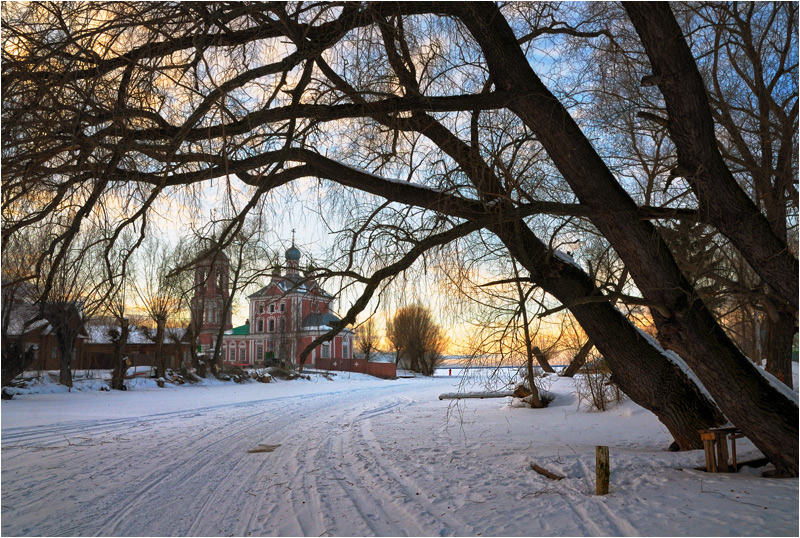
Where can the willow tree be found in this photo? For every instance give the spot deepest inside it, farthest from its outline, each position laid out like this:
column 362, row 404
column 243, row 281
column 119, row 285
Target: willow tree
column 408, row 113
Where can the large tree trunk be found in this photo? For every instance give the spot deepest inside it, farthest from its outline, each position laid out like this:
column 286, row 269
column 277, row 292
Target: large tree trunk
column 160, row 360
column 120, row 366
column 691, row 127
column 579, row 359
column 640, row 369
column 763, row 413
column 778, row 350
column 66, row 352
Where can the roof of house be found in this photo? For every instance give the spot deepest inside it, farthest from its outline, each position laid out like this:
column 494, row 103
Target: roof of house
column 242, row 330
column 319, row 320
column 22, row 320
column 290, row 284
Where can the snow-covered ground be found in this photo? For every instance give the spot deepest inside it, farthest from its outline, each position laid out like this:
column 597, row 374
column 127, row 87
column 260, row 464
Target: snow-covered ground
column 359, row 456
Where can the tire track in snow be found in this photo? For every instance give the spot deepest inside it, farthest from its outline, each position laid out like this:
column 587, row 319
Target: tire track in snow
column 438, row 524
column 237, row 487
column 313, row 485
column 200, row 479
column 183, row 472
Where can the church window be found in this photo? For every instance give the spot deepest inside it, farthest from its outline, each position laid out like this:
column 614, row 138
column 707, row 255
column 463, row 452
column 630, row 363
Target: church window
column 260, row 326
column 259, row 352
column 242, row 352
column 260, row 308
column 283, row 307
column 345, row 349
column 282, row 324
column 271, row 325
column 232, row 354
column 272, row 308
column 326, row 350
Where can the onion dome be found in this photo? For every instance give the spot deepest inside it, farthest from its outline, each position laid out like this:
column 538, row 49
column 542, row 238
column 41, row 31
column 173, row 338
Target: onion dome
column 293, row 254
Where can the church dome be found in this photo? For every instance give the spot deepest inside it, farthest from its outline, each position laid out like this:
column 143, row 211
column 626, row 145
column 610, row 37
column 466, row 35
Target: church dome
column 293, row 254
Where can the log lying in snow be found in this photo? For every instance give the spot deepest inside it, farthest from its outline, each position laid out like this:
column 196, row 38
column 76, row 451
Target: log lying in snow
column 544, row 472
column 463, row 395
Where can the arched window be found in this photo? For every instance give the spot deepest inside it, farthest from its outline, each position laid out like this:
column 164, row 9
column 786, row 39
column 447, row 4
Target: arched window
column 260, row 326
column 283, row 307
column 271, row 325
column 282, row 324
column 326, row 350
column 260, row 308
column 345, row 349
column 232, row 354
column 271, row 308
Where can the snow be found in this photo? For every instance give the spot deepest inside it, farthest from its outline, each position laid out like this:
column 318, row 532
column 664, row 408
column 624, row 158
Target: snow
column 360, row 456
column 678, row 361
column 566, row 258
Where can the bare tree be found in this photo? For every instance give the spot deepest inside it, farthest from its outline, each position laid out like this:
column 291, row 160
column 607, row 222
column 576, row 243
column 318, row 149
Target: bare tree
column 419, row 342
column 158, row 293
column 367, row 338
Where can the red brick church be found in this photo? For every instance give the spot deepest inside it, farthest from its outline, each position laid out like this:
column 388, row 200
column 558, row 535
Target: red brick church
column 284, row 317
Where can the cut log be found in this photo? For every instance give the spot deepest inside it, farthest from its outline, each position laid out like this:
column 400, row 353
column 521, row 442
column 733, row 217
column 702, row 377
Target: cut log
column 544, row 472
column 464, row 395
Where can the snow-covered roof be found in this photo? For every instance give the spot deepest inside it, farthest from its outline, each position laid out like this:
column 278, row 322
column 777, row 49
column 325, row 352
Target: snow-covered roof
column 99, row 334
column 290, row 283
column 319, row 320
column 22, row 320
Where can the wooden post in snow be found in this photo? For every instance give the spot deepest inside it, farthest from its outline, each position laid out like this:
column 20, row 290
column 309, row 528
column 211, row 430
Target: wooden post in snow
column 603, row 469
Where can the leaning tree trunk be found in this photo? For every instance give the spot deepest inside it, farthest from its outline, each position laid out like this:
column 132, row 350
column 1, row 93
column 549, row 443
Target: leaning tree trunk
column 778, row 349
column 541, row 358
column 639, row 367
column 579, row 359
column 765, row 415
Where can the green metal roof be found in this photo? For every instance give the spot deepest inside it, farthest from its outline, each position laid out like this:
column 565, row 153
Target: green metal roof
column 242, row 330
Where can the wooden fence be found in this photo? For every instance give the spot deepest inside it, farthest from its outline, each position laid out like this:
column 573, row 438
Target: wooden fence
column 361, row 366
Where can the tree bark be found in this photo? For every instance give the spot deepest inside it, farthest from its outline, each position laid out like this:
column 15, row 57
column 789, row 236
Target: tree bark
column 541, row 358
column 120, row 366
column 160, row 359
column 66, row 352
column 778, row 349
column 579, row 359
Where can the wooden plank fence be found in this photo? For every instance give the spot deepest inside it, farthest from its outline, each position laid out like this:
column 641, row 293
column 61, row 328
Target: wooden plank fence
column 361, row 366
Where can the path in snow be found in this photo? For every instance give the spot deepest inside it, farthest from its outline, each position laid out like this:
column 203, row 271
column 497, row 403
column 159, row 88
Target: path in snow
column 360, row 458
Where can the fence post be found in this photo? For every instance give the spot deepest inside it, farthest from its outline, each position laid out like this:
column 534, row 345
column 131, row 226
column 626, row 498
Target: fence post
column 602, row 469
